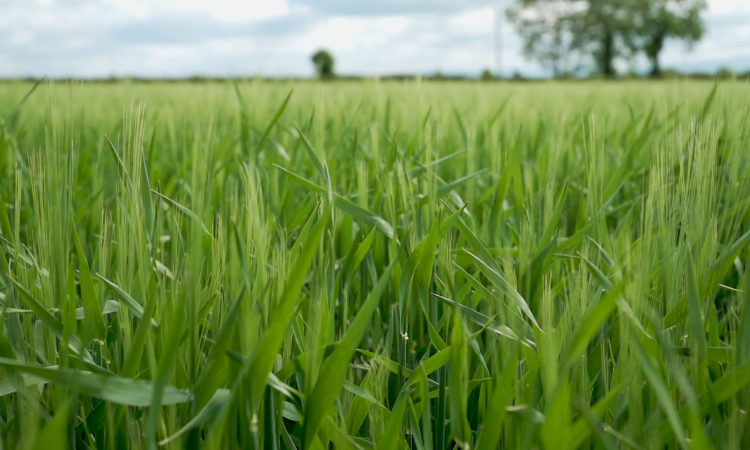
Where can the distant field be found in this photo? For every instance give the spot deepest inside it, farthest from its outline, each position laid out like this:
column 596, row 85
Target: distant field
column 375, row 265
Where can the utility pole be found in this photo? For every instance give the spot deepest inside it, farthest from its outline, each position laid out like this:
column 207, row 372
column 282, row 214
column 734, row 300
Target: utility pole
column 498, row 41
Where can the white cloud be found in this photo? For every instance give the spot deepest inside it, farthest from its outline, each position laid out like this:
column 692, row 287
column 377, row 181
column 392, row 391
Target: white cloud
column 223, row 10
column 727, row 6
column 231, row 10
column 275, row 37
column 726, row 43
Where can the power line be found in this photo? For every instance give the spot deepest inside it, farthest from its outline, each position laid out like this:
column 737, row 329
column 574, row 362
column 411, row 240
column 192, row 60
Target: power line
column 498, row 40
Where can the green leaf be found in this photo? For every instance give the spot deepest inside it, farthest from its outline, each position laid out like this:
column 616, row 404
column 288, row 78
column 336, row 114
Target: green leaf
column 54, row 325
column 244, row 121
column 392, row 436
column 346, row 205
column 259, row 365
column 500, row 282
column 457, row 383
column 334, row 368
column 502, row 395
column 129, row 301
column 120, row 163
column 317, row 163
column 709, row 101
column 361, row 251
column 274, row 119
column 12, row 117
column 481, row 319
column 219, row 348
column 122, row 391
column 661, row 391
column 697, row 330
column 93, row 315
column 592, row 322
column 729, row 385
column 55, row 432
column 555, row 430
column 581, row 429
column 9, row 386
column 219, row 400
column 185, row 210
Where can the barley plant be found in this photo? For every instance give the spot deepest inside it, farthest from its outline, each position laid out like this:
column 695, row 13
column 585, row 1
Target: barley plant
column 375, row 265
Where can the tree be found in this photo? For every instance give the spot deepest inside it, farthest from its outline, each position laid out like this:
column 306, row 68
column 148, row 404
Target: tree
column 553, row 31
column 542, row 25
column 487, row 75
column 659, row 20
column 604, row 29
column 323, row 62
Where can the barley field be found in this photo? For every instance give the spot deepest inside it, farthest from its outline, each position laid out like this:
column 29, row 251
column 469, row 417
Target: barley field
column 375, row 264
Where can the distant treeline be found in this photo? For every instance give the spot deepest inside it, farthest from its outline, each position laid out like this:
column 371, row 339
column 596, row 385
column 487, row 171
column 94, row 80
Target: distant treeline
column 723, row 74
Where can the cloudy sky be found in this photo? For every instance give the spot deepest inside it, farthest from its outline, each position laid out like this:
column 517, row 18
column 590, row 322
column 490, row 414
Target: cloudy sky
column 176, row 38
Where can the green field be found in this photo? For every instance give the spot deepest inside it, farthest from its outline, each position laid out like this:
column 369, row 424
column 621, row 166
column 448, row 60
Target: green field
column 375, row 265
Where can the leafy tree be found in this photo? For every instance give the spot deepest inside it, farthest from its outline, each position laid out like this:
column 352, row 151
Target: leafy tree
column 603, row 29
column 487, row 75
column 659, row 20
column 323, row 62
column 554, row 31
column 543, row 26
